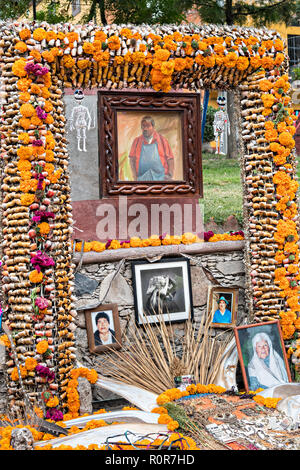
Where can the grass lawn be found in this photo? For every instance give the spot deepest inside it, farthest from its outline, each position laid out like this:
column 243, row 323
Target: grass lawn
column 222, row 188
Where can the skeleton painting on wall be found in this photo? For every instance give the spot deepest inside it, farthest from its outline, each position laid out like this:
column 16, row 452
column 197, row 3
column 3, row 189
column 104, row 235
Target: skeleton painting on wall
column 162, row 290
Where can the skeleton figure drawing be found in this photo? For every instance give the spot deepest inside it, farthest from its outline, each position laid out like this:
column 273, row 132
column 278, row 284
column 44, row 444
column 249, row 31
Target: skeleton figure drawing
column 80, row 121
column 161, row 291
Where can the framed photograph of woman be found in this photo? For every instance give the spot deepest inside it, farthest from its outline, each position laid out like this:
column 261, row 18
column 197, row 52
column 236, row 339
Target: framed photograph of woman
column 103, row 328
column 222, row 306
column 162, row 290
column 262, row 355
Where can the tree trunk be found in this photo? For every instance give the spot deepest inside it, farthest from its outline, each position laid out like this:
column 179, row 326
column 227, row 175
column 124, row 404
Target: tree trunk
column 232, row 151
column 228, row 12
column 101, row 4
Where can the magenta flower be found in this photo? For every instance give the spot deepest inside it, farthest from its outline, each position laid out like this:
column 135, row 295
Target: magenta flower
column 37, row 143
column 54, row 414
column 208, row 235
column 41, row 260
column 36, row 69
column 40, row 113
column 41, row 303
column 45, row 372
column 42, row 216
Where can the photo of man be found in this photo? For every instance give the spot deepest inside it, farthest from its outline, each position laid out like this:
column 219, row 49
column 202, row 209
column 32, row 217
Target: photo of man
column 104, row 334
column 151, row 157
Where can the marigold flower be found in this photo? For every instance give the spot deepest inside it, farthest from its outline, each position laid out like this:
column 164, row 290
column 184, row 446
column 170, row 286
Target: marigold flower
column 52, row 402
column 39, row 34
column 30, row 363
column 18, row 68
column 42, row 347
column 27, row 199
column 25, row 34
column 21, row 46
column 35, row 277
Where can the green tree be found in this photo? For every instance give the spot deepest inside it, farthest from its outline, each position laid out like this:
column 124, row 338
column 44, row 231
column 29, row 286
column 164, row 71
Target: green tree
column 139, row 11
column 261, row 12
column 54, row 11
column 12, row 9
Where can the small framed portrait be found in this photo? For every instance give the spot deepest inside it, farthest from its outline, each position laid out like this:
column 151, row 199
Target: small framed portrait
column 103, row 328
column 162, row 290
column 150, row 143
column 222, row 306
column 262, row 355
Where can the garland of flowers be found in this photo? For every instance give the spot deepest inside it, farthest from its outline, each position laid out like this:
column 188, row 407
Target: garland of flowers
column 125, row 56
column 155, row 240
column 279, row 133
column 73, row 402
column 175, row 394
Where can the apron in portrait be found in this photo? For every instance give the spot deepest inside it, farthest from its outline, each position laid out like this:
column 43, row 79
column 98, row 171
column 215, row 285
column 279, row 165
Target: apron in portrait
column 150, row 165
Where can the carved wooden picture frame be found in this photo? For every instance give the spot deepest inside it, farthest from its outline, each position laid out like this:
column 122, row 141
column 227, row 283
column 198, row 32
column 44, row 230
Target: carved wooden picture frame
column 176, row 122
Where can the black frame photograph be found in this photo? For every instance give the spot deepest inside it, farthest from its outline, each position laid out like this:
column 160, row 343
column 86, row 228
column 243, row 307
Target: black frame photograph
column 103, row 328
column 162, row 290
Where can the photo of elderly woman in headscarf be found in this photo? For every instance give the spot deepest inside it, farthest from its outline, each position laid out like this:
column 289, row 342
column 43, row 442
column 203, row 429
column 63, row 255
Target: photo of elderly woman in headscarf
column 266, row 368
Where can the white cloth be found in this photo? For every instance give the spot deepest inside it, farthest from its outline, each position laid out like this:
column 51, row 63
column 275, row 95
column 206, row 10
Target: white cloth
column 270, row 376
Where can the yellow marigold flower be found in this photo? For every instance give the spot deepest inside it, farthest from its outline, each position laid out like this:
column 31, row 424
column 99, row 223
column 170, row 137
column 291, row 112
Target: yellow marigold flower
column 25, row 34
column 39, row 34
column 27, row 110
column 83, row 64
column 113, row 42
column 30, row 363
column 52, row 402
column 44, row 228
column 18, row 68
column 25, row 97
column 5, row 341
column 42, row 346
column 172, row 425
column 21, row 46
column 35, row 277
column 27, row 199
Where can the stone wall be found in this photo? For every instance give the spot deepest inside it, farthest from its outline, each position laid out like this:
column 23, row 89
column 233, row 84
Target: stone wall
column 212, row 264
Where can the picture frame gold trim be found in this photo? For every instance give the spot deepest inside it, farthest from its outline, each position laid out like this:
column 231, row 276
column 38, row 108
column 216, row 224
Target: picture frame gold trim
column 226, row 290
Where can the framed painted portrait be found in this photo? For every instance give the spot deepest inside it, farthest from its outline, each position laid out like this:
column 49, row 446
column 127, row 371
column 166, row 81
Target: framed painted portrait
column 103, row 328
column 262, row 355
column 162, row 290
column 150, row 143
column 222, row 306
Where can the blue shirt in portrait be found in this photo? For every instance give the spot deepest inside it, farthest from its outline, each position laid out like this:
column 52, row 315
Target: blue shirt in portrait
column 222, row 318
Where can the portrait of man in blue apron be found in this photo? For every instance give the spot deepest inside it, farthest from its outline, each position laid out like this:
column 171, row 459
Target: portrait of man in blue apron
column 151, row 157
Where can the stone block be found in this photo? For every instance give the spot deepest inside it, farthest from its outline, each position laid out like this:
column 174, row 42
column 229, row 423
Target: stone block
column 116, row 291
column 85, row 396
column 231, row 267
column 200, row 286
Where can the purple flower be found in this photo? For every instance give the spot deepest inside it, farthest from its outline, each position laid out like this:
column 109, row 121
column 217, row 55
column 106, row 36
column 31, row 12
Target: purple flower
column 36, row 69
column 208, row 235
column 42, row 216
column 37, row 143
column 108, row 244
column 40, row 113
column 45, row 372
column 54, row 414
column 41, row 303
column 41, row 260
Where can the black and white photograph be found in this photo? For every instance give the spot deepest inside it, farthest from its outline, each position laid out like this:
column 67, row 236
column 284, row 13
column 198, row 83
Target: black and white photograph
column 103, row 327
column 162, row 289
column 262, row 355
